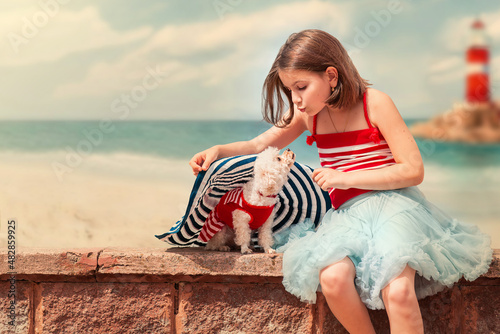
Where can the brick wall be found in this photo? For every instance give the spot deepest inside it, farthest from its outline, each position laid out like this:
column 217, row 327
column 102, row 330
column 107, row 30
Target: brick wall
column 188, row 290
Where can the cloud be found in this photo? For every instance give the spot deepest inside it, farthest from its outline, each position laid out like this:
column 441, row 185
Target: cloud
column 446, row 70
column 456, row 32
column 446, row 64
column 492, row 25
column 49, row 32
column 211, row 52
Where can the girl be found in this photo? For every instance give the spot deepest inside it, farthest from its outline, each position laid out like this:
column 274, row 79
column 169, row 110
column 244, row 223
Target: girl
column 382, row 244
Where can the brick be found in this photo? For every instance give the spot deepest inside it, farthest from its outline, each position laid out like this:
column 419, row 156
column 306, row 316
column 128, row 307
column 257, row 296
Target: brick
column 481, row 312
column 494, row 271
column 104, row 308
column 49, row 264
column 187, row 264
column 241, row 308
column 133, row 291
column 442, row 312
column 457, row 310
column 21, row 310
column 380, row 321
column 325, row 322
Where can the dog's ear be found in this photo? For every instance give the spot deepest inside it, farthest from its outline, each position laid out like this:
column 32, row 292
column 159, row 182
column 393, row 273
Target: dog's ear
column 267, row 176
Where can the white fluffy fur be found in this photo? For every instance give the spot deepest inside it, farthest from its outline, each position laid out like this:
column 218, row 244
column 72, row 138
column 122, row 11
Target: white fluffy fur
column 270, row 174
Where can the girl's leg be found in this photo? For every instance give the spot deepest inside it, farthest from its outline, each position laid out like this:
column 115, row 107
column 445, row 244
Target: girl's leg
column 337, row 284
column 401, row 304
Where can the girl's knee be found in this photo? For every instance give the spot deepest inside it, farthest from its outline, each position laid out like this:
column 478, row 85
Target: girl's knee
column 336, row 278
column 400, row 292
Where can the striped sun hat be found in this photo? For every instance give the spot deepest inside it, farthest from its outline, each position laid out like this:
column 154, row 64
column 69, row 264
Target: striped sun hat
column 299, row 199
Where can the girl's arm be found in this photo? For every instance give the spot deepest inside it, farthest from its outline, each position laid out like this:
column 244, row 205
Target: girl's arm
column 408, row 170
column 277, row 137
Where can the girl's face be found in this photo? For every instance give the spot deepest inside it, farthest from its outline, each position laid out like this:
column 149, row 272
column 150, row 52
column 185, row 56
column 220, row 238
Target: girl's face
column 309, row 89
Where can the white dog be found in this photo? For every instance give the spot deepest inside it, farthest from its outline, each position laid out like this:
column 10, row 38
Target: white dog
column 250, row 207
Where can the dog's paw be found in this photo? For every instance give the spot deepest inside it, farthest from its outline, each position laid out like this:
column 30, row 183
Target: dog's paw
column 219, row 249
column 270, row 251
column 246, row 250
column 224, row 249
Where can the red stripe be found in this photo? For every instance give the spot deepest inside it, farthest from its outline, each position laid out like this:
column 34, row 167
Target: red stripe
column 343, row 139
column 212, row 228
column 375, row 164
column 477, row 55
column 478, row 88
column 203, row 236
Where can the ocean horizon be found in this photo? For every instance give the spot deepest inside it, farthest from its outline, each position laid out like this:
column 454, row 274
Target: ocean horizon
column 183, row 138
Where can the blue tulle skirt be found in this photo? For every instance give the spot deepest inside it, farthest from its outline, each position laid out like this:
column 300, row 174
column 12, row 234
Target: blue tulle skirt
column 382, row 232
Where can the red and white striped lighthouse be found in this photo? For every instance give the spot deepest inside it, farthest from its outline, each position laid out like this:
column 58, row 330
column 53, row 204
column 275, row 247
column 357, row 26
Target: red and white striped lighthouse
column 478, row 81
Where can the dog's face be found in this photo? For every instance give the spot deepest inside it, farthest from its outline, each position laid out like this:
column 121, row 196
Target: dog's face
column 271, row 170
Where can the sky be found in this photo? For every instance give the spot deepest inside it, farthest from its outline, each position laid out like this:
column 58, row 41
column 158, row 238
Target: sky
column 207, row 60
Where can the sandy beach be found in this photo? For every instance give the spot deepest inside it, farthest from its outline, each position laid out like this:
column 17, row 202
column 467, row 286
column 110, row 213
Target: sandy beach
column 123, row 200
column 93, row 206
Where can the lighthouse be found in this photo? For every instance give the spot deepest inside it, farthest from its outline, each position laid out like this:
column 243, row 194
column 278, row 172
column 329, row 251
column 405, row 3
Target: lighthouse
column 478, row 119
column 477, row 56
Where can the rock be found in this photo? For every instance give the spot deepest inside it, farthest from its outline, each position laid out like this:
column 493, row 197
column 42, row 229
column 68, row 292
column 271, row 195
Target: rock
column 476, row 123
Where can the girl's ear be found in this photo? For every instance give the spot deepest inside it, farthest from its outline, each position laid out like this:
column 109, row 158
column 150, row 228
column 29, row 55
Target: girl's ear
column 333, row 76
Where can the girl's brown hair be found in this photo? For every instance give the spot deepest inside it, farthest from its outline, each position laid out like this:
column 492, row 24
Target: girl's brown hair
column 310, row 50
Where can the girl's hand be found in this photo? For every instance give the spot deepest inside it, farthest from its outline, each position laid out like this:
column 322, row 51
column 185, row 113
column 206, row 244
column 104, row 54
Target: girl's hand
column 328, row 178
column 201, row 161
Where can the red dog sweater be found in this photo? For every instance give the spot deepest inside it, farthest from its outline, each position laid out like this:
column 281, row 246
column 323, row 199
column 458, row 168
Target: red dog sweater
column 222, row 214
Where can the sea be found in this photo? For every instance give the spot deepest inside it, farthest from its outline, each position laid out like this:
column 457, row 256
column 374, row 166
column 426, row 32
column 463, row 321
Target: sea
column 462, row 179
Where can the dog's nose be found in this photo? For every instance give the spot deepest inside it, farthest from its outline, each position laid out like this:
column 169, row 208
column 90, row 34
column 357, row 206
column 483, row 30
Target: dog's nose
column 289, row 154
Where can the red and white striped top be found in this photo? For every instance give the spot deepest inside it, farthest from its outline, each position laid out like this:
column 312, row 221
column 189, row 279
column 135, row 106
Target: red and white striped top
column 350, row 151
